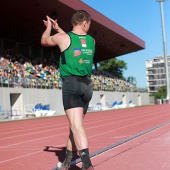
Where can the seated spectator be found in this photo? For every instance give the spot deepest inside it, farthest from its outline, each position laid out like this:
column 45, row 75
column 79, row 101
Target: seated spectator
column 17, row 69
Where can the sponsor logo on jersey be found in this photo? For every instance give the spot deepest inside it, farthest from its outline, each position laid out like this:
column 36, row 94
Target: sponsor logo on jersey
column 83, row 43
column 81, row 61
column 77, row 52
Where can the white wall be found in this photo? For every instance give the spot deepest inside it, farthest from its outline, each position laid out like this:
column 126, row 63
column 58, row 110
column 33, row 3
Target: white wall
column 110, row 97
column 54, row 98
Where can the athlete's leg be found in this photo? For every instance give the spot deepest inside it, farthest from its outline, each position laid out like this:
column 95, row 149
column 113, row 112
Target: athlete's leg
column 70, row 142
column 75, row 117
column 76, row 96
column 70, row 148
column 75, row 121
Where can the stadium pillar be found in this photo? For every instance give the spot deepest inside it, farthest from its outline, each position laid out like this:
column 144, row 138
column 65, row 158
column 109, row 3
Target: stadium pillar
column 165, row 50
column 41, row 52
column 1, row 44
column 30, row 50
column 95, row 66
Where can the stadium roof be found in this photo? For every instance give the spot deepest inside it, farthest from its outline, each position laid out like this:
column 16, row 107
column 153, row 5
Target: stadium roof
column 22, row 21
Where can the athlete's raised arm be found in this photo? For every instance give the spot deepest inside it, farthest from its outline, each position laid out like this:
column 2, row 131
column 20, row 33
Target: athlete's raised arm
column 47, row 39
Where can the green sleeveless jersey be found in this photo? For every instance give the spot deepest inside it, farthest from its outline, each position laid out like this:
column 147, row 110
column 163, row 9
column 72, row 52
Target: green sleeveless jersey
column 77, row 59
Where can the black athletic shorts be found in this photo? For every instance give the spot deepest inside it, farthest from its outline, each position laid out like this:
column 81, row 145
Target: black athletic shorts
column 77, row 92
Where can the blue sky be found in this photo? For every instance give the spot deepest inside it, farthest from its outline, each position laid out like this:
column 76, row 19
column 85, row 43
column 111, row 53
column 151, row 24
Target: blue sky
column 143, row 19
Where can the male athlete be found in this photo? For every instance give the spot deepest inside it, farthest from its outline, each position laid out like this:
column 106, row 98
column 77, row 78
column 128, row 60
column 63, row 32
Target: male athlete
column 77, row 52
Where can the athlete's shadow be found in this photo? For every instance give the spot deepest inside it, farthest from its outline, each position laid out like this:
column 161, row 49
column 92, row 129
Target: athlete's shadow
column 60, row 153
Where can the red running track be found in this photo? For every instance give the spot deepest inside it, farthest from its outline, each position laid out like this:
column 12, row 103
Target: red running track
column 23, row 143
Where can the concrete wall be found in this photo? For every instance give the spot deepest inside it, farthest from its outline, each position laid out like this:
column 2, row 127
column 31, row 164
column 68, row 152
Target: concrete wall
column 109, row 97
column 17, row 98
column 30, row 96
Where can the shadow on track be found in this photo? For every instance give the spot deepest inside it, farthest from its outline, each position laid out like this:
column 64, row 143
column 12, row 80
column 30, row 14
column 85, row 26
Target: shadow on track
column 60, row 153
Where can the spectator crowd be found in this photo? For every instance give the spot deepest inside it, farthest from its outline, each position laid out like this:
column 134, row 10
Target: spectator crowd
column 18, row 70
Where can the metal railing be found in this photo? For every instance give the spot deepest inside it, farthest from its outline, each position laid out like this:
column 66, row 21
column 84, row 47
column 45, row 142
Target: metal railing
column 46, row 84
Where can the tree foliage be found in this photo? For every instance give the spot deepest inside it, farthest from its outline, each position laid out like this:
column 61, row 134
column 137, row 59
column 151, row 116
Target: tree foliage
column 160, row 93
column 132, row 80
column 114, row 67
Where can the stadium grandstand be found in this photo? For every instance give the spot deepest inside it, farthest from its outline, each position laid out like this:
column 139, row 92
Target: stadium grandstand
column 17, row 70
column 25, row 64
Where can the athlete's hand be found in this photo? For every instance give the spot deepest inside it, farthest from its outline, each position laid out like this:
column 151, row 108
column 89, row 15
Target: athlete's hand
column 47, row 22
column 55, row 25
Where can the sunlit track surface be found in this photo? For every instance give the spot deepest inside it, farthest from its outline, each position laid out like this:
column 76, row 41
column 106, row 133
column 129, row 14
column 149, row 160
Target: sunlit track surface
column 94, row 154
column 22, row 143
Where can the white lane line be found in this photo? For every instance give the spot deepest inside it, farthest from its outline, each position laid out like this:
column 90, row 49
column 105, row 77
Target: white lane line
column 125, row 126
column 24, row 129
column 63, row 124
column 32, row 140
column 33, row 133
column 87, row 129
column 48, row 137
column 48, row 124
column 18, row 157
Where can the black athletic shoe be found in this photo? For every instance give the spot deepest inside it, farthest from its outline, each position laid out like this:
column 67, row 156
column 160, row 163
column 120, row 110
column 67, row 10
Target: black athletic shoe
column 90, row 168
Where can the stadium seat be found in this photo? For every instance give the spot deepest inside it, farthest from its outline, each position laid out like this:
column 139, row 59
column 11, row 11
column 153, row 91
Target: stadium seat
column 115, row 105
column 131, row 104
column 121, row 105
column 98, row 106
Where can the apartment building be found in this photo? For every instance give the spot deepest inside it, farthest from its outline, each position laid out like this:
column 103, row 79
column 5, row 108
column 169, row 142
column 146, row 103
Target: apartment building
column 155, row 73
